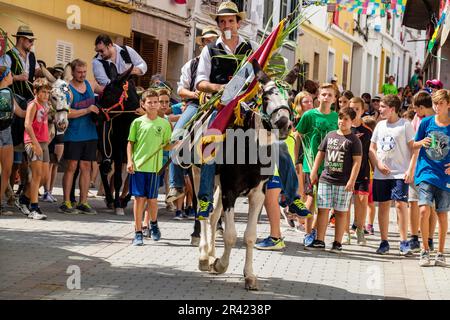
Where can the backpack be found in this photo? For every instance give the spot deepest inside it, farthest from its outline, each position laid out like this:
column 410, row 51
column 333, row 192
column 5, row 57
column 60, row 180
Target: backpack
column 6, row 108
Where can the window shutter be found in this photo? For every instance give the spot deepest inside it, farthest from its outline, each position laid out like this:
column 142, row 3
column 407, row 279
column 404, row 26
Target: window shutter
column 64, row 52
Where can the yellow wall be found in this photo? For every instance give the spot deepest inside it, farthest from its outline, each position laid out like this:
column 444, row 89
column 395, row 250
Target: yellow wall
column 98, row 18
column 341, row 48
column 49, row 31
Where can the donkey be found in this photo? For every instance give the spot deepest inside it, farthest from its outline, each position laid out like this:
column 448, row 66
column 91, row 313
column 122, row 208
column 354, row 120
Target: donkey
column 117, row 105
column 246, row 179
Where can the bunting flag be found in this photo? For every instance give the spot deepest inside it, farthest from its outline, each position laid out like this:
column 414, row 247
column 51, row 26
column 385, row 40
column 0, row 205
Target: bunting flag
column 232, row 109
column 368, row 7
column 432, row 41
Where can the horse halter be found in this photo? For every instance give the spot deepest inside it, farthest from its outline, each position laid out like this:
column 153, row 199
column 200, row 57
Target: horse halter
column 65, row 90
column 282, row 87
column 122, row 99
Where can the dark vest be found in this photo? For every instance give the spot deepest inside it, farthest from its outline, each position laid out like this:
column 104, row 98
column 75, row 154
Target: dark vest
column 20, row 87
column 194, row 67
column 110, row 68
column 223, row 69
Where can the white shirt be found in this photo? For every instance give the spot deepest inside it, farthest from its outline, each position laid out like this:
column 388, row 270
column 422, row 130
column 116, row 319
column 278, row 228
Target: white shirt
column 99, row 70
column 6, row 61
column 204, row 65
column 392, row 147
column 185, row 78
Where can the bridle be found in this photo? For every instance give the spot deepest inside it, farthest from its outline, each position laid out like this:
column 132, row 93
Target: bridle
column 282, row 88
column 120, row 103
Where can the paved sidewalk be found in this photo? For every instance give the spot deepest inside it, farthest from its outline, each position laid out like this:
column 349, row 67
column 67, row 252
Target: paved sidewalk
column 36, row 255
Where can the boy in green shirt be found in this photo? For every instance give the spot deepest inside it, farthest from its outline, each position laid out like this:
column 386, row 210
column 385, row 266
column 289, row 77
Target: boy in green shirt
column 149, row 135
column 389, row 88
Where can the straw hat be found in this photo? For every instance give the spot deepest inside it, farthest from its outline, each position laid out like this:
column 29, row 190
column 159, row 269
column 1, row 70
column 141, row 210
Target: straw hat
column 228, row 8
column 207, row 32
column 26, row 32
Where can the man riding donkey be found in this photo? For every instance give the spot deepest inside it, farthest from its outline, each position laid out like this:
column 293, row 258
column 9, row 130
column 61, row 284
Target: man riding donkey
column 213, row 73
column 111, row 61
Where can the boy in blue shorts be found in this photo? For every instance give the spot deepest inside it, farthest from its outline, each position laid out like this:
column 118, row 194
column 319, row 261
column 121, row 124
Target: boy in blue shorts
column 148, row 136
column 432, row 175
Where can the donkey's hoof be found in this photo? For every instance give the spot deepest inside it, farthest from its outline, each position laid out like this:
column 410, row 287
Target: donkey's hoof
column 203, row 265
column 218, row 268
column 251, row 283
column 195, row 241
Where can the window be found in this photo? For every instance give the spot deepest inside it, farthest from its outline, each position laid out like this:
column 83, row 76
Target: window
column 387, row 70
column 268, row 11
column 316, row 66
column 283, row 9
column 64, row 52
column 344, row 74
column 244, row 6
column 294, row 34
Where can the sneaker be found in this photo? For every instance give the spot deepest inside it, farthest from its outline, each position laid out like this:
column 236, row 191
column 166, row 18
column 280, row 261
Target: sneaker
column 205, row 208
column 155, row 232
column 67, row 208
column 348, row 238
column 146, row 232
column 336, row 247
column 439, row 261
column 178, row 215
column 370, row 229
column 360, row 237
column 138, row 239
column 365, row 231
column 119, row 211
column 52, row 197
column 85, row 208
column 46, row 198
column 36, row 214
column 298, row 207
column 22, row 207
column 384, row 247
column 174, row 194
column 270, row 244
column 353, row 228
column 190, row 213
column 424, row 260
column 309, row 238
column 414, row 244
column 431, row 244
column 405, row 249
column 316, row 245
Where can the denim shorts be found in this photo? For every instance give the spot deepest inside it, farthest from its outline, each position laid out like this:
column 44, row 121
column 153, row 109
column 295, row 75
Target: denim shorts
column 390, row 189
column 429, row 193
column 6, row 138
column 413, row 193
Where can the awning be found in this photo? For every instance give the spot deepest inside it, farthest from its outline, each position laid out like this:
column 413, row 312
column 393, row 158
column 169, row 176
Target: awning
column 418, row 13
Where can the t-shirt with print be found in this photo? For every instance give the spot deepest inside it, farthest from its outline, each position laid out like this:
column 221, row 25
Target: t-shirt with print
column 392, row 147
column 339, row 152
column 313, row 127
column 364, row 134
column 431, row 162
column 149, row 136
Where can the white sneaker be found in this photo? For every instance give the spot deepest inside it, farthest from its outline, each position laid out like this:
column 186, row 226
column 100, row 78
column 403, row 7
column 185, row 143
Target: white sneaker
column 440, row 260
column 424, row 258
column 36, row 215
column 52, row 197
column 22, row 207
column 119, row 211
column 46, row 198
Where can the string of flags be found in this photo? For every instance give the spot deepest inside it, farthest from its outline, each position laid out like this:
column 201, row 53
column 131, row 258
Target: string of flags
column 369, row 7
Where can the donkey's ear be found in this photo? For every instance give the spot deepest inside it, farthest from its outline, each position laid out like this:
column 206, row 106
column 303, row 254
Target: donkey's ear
column 292, row 76
column 126, row 75
column 260, row 75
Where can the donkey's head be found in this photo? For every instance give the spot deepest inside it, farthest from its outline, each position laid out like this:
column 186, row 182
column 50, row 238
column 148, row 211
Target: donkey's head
column 275, row 108
column 61, row 99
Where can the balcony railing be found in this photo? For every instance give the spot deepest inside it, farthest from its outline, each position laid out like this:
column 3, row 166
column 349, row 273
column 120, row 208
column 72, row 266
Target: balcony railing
column 127, row 6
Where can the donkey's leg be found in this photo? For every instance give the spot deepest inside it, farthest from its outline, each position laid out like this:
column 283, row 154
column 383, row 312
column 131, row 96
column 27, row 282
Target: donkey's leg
column 195, row 180
column 203, row 263
column 230, row 235
column 214, row 217
column 256, row 200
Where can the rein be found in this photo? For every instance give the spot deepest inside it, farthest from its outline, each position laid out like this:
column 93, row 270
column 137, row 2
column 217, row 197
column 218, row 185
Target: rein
column 122, row 99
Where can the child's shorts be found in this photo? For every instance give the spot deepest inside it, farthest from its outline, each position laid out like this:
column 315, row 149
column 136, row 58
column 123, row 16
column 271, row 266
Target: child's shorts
column 333, row 197
column 144, row 185
column 362, row 188
column 413, row 193
column 390, row 189
column 274, row 183
column 429, row 193
column 45, row 157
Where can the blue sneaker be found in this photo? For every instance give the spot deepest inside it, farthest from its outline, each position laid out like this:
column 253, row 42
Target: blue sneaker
column 384, row 247
column 299, row 208
column 405, row 249
column 156, row 233
column 179, row 215
column 190, row 213
column 431, row 244
column 270, row 244
column 414, row 244
column 138, row 239
column 309, row 238
column 205, row 208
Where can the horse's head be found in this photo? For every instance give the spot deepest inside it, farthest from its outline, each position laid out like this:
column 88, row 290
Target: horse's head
column 275, row 109
column 60, row 99
column 119, row 95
